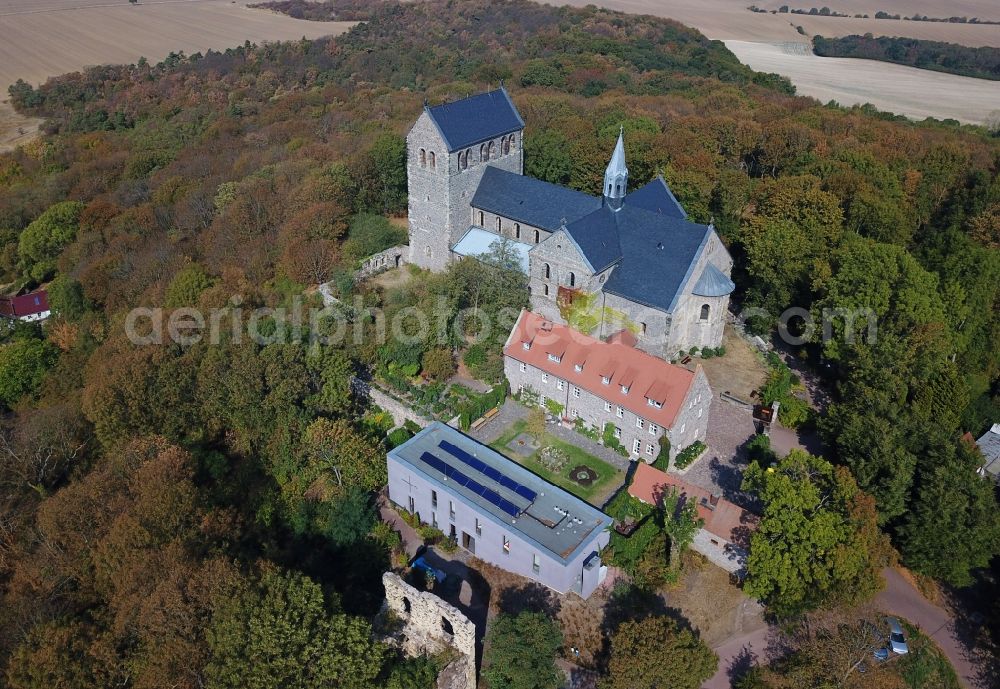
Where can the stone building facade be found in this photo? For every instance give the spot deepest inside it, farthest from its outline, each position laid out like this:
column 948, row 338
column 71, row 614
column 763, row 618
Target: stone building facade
column 643, row 397
column 635, row 252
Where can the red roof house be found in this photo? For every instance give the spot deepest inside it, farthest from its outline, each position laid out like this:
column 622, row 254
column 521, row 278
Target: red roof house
column 726, row 532
column 27, row 307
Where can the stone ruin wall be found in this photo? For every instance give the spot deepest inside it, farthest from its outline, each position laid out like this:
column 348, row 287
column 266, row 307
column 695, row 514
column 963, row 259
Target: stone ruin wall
column 423, row 631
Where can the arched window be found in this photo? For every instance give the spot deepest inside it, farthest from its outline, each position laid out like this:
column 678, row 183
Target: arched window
column 517, row 230
column 572, row 279
column 513, row 142
column 545, row 290
column 618, row 187
column 463, row 161
column 609, row 190
column 506, row 146
column 536, row 236
column 481, row 219
column 482, row 153
column 406, row 604
column 492, row 152
column 705, row 309
column 468, row 157
column 433, row 161
column 548, row 271
column 423, row 158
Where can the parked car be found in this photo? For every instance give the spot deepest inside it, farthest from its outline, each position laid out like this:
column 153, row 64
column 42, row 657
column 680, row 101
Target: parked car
column 881, row 654
column 897, row 642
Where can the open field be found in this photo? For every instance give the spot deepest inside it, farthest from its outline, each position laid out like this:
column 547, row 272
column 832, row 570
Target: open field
column 44, row 38
column 771, row 43
column 917, row 93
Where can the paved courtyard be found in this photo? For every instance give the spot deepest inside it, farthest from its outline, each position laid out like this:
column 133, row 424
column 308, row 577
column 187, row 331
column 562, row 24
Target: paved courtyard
column 721, row 469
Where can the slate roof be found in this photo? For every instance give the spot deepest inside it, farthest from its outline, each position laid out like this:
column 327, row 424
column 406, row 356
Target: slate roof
column 531, row 201
column 658, row 253
column 476, row 118
column 656, row 197
column 597, row 235
column 989, row 445
column 713, row 283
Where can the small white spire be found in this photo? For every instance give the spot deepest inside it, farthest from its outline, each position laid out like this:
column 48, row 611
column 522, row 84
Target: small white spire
column 616, row 174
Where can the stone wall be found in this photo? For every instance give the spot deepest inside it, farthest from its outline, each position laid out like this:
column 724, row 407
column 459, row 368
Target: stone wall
column 392, row 257
column 424, row 619
column 400, row 412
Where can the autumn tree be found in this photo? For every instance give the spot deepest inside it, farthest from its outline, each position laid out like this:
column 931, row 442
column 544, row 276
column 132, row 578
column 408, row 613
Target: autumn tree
column 657, row 652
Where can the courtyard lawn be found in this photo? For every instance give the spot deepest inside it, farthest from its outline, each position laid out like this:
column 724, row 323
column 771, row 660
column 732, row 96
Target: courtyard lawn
column 608, row 477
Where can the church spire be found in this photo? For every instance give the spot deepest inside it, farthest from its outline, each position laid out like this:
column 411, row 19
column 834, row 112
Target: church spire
column 616, row 175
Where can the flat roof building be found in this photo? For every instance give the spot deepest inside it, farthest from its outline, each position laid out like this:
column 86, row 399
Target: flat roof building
column 501, row 512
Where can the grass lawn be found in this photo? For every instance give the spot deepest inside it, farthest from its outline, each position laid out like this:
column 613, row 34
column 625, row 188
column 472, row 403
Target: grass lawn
column 925, row 666
column 608, row 476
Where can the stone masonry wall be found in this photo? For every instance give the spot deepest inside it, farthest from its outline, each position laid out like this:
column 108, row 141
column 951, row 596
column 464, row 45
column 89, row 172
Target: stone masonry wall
column 424, row 617
column 382, row 261
column 400, row 412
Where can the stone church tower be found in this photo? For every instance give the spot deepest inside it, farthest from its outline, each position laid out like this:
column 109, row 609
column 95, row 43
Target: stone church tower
column 447, row 151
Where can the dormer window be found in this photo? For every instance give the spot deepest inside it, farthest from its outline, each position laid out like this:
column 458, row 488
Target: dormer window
column 553, row 357
column 624, row 389
column 526, row 345
column 605, row 380
column 578, row 368
column 654, row 403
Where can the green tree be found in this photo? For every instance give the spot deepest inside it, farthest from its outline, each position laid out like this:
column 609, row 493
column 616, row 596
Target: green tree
column 44, row 239
column 348, row 518
column 656, row 652
column 818, row 542
column 953, row 526
column 282, row 633
column 187, row 285
column 680, row 522
column 412, row 673
column 332, row 371
column 66, row 298
column 23, row 365
column 438, row 363
column 521, row 652
column 547, row 157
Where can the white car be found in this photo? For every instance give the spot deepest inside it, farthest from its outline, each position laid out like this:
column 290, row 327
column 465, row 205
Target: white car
column 897, row 642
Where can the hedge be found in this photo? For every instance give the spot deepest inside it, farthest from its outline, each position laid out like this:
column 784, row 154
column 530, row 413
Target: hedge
column 689, row 454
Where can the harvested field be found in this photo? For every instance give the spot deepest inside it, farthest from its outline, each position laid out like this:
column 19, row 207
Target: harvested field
column 44, row 38
column 916, row 93
column 762, row 41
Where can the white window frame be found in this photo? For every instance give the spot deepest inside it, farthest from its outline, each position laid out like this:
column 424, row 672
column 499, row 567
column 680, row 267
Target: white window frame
column 560, row 384
column 636, row 446
column 605, row 380
column 607, row 406
column 524, row 367
column 653, row 429
column 556, row 359
column 683, row 426
column 576, row 391
column 625, row 389
column 618, row 433
column 621, row 413
column 545, row 377
column 639, row 423
column 650, row 449
column 526, row 345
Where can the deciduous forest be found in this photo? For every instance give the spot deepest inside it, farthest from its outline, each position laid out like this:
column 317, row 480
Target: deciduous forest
column 982, row 63
column 168, row 511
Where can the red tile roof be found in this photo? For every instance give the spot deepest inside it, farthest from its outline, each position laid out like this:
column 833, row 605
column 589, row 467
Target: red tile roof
column 25, row 305
column 643, row 374
column 728, row 521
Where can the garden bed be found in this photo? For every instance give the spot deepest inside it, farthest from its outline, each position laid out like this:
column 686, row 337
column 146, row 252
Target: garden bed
column 602, row 477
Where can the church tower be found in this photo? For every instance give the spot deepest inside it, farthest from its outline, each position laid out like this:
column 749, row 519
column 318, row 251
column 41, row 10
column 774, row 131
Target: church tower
column 616, row 176
column 447, row 150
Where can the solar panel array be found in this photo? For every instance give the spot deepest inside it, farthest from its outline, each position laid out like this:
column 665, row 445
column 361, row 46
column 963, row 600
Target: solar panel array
column 471, row 484
column 488, row 471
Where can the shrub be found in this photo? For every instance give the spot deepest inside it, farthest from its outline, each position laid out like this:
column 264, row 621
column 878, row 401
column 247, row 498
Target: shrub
column 693, row 351
column 438, row 364
column 398, row 437
column 689, row 454
column 554, row 407
column 411, row 426
column 793, row 411
column 611, row 441
column 662, row 461
column 476, row 356
column 759, row 450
